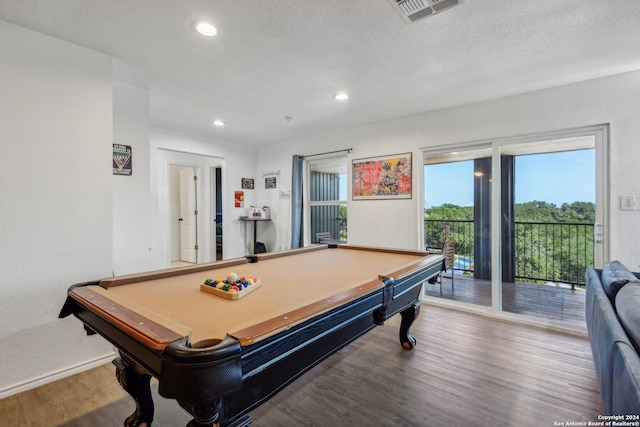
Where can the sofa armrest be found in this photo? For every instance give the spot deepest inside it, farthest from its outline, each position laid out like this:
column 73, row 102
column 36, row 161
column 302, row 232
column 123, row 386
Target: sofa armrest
column 604, row 332
column 626, row 386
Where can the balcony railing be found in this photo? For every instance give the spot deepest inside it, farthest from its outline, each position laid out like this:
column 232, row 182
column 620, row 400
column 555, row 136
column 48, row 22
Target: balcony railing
column 325, row 220
column 543, row 252
column 461, row 231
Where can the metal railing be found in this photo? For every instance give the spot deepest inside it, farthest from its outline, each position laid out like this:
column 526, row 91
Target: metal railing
column 343, row 228
column 460, row 231
column 543, row 252
column 336, row 225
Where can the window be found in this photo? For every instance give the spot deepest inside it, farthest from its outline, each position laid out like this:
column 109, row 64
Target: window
column 328, row 197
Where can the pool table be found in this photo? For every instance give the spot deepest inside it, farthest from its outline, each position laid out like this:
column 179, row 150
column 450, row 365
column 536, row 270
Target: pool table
column 220, row 358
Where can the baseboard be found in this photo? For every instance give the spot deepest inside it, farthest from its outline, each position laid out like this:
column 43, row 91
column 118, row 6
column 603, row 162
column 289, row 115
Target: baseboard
column 54, row 376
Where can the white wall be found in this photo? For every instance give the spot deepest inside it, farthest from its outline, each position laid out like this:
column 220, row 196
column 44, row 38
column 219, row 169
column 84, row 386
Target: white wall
column 614, row 100
column 131, row 230
column 55, row 201
column 237, row 162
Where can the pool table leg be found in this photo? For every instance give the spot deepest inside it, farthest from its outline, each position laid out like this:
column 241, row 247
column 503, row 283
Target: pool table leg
column 243, row 421
column 137, row 384
column 408, row 316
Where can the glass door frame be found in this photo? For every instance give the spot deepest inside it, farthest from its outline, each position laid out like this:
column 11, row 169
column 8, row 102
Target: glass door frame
column 601, row 227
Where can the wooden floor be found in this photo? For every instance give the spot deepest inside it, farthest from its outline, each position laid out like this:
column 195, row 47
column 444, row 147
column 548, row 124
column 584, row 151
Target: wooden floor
column 466, row 370
column 560, row 304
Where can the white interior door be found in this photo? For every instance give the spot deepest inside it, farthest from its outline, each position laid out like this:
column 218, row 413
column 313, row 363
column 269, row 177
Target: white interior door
column 188, row 216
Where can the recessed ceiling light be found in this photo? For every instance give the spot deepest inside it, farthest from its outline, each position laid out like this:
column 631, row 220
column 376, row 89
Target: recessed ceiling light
column 218, row 123
column 205, row 28
column 341, row 96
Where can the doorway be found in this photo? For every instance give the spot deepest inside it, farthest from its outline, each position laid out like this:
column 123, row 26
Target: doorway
column 184, row 214
column 195, row 212
column 166, row 234
column 217, row 209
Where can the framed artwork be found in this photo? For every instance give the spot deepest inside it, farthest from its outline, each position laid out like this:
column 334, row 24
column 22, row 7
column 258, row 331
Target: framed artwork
column 247, row 183
column 122, row 163
column 238, row 198
column 386, row 177
column 270, row 182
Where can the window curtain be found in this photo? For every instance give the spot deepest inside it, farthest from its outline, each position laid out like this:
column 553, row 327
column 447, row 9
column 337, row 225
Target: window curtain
column 297, row 220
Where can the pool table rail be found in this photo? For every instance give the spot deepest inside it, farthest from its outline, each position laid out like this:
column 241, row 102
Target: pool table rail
column 268, row 328
column 172, row 272
column 150, row 328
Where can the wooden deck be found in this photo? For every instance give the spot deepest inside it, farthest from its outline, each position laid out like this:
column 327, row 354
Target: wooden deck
column 543, row 301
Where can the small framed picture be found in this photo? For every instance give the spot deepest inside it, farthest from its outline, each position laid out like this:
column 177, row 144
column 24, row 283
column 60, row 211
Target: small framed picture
column 247, row 183
column 122, row 160
column 238, row 198
column 270, row 182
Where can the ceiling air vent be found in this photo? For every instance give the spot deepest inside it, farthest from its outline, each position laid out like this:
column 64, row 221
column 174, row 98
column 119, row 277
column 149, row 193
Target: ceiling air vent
column 412, row 10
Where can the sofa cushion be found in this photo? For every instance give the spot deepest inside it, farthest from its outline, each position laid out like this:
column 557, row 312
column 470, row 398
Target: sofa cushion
column 614, row 276
column 627, row 303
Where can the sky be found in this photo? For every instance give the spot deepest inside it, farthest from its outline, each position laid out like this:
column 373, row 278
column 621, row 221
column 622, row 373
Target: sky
column 558, row 178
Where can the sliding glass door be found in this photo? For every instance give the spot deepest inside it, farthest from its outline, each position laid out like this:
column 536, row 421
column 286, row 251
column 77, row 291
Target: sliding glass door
column 527, row 217
column 457, row 214
column 549, row 215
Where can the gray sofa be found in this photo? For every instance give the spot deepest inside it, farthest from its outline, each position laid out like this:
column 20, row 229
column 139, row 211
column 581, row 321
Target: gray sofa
column 613, row 322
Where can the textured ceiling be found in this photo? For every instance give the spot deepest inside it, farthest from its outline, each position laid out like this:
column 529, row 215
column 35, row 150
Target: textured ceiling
column 274, row 58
